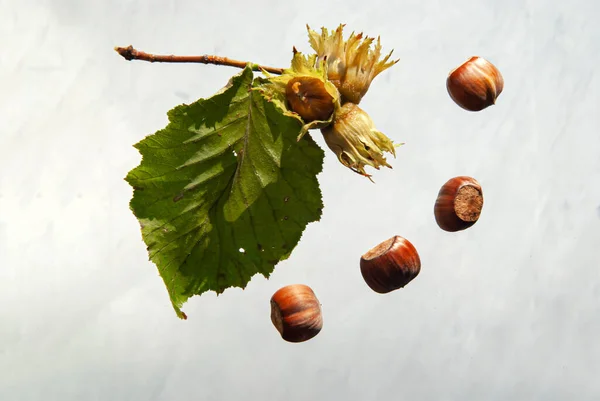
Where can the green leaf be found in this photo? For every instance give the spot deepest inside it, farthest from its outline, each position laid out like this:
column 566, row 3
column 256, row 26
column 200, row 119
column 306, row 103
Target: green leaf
column 224, row 191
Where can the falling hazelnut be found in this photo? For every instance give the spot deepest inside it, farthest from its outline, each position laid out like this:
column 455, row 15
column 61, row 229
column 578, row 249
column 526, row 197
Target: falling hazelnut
column 296, row 313
column 390, row 265
column 308, row 97
column 475, row 85
column 458, row 204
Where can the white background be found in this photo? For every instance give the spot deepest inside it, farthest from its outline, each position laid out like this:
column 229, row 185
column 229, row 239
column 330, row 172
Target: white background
column 507, row 310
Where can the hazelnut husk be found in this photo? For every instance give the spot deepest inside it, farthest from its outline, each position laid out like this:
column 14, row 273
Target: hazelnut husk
column 352, row 136
column 475, row 84
column 308, row 97
column 458, row 204
column 390, row 265
column 296, row 313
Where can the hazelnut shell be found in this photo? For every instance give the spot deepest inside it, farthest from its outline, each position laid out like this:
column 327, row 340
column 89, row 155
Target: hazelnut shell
column 475, row 84
column 458, row 204
column 296, row 313
column 390, row 265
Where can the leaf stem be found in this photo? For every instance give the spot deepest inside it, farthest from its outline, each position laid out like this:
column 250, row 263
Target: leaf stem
column 129, row 53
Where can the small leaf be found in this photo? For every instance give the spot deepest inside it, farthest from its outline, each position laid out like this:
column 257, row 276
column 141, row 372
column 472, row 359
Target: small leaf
column 224, row 191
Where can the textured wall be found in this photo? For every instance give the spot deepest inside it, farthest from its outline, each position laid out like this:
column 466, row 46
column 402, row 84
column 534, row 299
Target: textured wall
column 507, row 310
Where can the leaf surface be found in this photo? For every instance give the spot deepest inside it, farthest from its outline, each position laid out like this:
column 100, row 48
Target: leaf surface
column 224, row 191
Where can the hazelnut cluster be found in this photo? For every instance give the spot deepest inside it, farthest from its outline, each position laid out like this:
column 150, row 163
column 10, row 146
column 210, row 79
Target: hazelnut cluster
column 323, row 92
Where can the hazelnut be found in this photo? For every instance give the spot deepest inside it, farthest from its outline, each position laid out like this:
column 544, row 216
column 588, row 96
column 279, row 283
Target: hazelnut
column 296, row 313
column 475, row 85
column 390, row 265
column 458, row 204
column 308, row 97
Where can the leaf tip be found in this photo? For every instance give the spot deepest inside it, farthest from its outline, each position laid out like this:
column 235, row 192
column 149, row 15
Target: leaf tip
column 180, row 314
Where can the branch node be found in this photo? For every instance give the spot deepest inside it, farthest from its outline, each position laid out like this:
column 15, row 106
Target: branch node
column 128, row 53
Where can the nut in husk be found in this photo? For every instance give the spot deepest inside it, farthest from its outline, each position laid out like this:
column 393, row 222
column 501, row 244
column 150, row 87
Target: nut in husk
column 303, row 92
column 308, row 97
column 354, row 139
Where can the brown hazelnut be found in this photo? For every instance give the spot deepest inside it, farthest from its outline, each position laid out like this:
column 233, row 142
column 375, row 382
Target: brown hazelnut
column 390, row 265
column 296, row 313
column 308, row 97
column 475, row 85
column 458, row 204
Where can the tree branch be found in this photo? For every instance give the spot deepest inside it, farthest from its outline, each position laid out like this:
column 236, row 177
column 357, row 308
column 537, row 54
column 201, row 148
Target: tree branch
column 129, row 53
